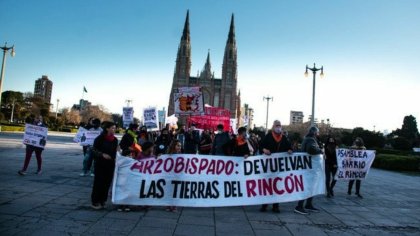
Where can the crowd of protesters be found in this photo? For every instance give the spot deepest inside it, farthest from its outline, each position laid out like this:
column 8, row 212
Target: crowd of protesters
column 138, row 143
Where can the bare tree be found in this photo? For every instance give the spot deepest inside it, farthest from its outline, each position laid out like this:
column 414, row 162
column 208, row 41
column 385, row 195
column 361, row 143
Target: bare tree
column 98, row 111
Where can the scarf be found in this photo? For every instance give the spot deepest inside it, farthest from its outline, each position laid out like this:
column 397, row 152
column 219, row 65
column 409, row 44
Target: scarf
column 132, row 134
column 109, row 138
column 277, row 137
column 240, row 140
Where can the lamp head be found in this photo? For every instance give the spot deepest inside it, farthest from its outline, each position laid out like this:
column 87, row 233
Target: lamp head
column 322, row 72
column 306, row 71
column 13, row 53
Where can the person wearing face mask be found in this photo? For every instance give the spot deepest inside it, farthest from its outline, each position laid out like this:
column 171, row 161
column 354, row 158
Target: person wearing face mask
column 162, row 142
column 221, row 139
column 358, row 144
column 241, row 145
column 330, row 166
column 309, row 145
column 274, row 142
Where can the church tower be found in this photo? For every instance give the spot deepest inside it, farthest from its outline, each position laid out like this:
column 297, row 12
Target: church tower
column 183, row 64
column 228, row 98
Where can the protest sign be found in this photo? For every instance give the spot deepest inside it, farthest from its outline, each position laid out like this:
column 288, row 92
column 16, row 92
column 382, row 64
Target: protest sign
column 211, row 181
column 79, row 134
column 150, row 116
column 88, row 137
column 35, row 135
column 353, row 164
column 189, row 101
column 128, row 116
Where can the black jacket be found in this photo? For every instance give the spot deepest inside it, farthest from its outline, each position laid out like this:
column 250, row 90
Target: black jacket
column 270, row 143
column 310, row 145
column 100, row 146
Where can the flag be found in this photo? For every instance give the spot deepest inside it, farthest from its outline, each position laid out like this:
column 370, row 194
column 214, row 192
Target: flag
column 84, row 89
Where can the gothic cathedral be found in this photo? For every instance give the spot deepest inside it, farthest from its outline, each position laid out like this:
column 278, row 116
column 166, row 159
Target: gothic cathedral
column 216, row 92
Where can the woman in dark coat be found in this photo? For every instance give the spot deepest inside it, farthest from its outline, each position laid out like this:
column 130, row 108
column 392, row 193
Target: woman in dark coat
column 104, row 150
column 330, row 166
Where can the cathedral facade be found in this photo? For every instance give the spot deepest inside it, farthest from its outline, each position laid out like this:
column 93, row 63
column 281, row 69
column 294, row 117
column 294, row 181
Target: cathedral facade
column 217, row 92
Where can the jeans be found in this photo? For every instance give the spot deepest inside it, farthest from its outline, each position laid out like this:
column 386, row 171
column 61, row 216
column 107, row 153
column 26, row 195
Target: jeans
column 88, row 161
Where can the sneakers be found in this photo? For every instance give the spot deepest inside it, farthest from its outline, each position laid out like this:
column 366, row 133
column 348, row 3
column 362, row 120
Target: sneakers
column 358, row 195
column 312, row 209
column 21, row 172
column 96, row 206
column 300, row 210
column 83, row 174
column 92, row 175
column 127, row 209
column 38, row 172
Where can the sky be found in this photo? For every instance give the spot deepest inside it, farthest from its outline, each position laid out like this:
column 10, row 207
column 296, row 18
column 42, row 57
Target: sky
column 124, row 49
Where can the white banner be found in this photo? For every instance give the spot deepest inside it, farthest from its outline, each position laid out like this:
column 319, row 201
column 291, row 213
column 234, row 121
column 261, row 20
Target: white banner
column 211, row 181
column 150, row 116
column 189, row 101
column 79, row 134
column 88, row 137
column 353, row 164
column 35, row 135
column 128, row 116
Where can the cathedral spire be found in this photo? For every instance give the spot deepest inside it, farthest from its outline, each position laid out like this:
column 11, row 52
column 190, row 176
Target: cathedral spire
column 207, row 66
column 231, row 38
column 186, row 32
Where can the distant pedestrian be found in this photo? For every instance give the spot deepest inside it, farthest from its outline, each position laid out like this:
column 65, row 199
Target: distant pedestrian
column 275, row 142
column 311, row 146
column 358, row 144
column 38, row 121
column 330, row 166
column 104, row 151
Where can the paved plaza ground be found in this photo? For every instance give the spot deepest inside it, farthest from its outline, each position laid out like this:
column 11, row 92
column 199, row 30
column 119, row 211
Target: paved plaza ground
column 58, row 203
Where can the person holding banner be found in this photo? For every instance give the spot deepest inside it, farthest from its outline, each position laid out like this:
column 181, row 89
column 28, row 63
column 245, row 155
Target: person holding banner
column 311, row 146
column 219, row 143
column 192, row 139
column 88, row 160
column 38, row 121
column 241, row 146
column 358, row 144
column 104, row 151
column 274, row 142
column 330, row 166
column 174, row 148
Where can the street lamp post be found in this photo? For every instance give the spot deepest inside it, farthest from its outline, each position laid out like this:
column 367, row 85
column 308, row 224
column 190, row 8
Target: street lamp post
column 13, row 110
column 56, row 110
column 314, row 70
column 12, row 53
column 268, row 98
